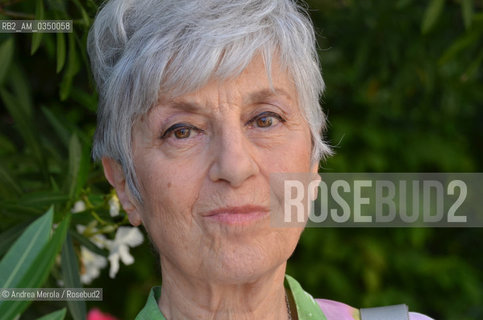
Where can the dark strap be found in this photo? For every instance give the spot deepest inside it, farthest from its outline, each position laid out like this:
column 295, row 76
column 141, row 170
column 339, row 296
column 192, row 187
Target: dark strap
column 396, row 312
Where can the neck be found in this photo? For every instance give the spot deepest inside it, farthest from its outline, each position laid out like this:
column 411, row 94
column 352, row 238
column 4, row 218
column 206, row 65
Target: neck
column 193, row 298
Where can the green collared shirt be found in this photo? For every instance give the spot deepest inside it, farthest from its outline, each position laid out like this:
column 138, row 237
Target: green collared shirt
column 307, row 307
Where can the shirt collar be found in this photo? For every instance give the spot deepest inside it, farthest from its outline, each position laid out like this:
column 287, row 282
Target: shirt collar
column 307, row 307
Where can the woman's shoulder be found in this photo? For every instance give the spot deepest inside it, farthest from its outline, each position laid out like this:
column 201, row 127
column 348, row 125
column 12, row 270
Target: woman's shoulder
column 334, row 310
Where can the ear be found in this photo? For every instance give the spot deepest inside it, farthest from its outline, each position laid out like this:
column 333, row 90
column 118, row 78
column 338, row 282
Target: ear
column 315, row 177
column 115, row 175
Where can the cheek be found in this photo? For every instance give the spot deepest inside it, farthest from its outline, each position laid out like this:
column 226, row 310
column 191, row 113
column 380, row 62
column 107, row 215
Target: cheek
column 169, row 193
column 292, row 156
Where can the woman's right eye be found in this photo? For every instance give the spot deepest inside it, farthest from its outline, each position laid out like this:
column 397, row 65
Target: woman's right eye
column 180, row 131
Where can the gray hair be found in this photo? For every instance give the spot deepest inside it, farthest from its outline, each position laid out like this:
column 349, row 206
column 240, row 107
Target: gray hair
column 141, row 49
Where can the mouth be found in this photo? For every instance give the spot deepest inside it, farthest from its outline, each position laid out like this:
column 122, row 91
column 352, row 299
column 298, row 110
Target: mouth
column 237, row 215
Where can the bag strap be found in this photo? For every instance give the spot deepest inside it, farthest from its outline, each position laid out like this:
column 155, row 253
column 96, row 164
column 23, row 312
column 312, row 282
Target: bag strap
column 396, row 312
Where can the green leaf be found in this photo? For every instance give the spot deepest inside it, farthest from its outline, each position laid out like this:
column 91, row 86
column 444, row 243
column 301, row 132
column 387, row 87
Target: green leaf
column 73, row 67
column 60, row 51
column 60, row 129
column 39, row 15
column 70, row 272
column 56, row 315
column 75, row 154
column 401, row 4
column 7, row 147
column 433, row 11
column 467, row 11
column 9, row 184
column 37, row 272
column 85, row 16
column 9, row 236
column 42, row 198
column 21, row 90
column 89, row 244
column 6, row 54
column 87, row 100
column 19, row 209
column 20, row 256
column 24, row 126
column 473, row 68
column 468, row 39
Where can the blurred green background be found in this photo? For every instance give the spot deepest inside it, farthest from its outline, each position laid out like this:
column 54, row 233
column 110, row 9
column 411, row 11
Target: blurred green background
column 404, row 94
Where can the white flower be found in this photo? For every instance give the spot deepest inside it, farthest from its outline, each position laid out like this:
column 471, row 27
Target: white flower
column 79, row 206
column 98, row 239
column 119, row 248
column 92, row 264
column 114, row 206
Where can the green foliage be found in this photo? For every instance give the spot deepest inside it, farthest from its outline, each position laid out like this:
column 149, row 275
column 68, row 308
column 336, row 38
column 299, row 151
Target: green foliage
column 47, row 119
column 56, row 315
column 433, row 11
column 70, row 271
column 29, row 261
column 403, row 95
column 13, row 267
column 6, row 53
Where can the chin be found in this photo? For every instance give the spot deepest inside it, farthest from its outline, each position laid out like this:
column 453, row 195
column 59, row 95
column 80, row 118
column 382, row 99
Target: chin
column 247, row 264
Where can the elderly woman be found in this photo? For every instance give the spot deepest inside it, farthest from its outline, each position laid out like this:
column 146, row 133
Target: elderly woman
column 200, row 101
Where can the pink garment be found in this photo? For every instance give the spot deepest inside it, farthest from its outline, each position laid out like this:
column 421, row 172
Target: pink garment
column 334, row 310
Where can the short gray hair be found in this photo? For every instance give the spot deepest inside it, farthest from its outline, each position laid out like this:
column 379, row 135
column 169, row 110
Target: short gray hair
column 141, row 49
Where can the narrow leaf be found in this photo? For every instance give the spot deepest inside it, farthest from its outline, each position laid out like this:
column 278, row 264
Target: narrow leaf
column 9, row 236
column 70, row 272
column 433, row 11
column 56, row 315
column 89, row 244
column 84, row 169
column 43, row 198
column 467, row 11
column 37, row 272
column 19, row 209
column 6, row 53
column 60, row 129
column 9, row 183
column 60, row 51
column 21, row 90
column 468, row 39
column 21, row 255
column 39, row 15
column 85, row 16
column 75, row 153
column 24, row 126
column 472, row 69
column 87, row 100
column 72, row 69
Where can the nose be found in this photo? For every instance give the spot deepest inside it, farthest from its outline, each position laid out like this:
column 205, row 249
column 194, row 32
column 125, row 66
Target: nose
column 233, row 158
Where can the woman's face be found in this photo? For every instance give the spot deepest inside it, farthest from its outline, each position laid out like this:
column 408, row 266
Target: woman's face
column 203, row 162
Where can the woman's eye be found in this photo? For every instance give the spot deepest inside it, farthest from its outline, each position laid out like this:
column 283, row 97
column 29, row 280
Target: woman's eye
column 267, row 119
column 180, row 131
column 264, row 122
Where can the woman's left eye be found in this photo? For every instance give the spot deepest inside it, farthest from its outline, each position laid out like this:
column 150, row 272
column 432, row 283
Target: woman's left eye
column 266, row 120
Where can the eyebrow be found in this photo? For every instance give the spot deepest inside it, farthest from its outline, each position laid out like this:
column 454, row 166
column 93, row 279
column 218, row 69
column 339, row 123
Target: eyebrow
column 187, row 106
column 263, row 94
